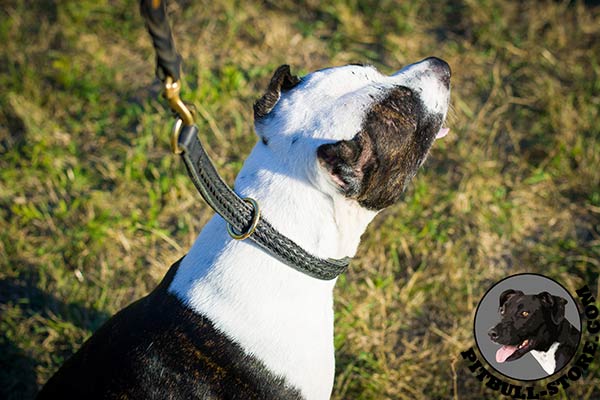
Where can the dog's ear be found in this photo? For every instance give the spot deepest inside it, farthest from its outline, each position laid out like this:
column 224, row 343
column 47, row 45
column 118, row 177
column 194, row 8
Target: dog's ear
column 507, row 294
column 348, row 162
column 556, row 304
column 282, row 80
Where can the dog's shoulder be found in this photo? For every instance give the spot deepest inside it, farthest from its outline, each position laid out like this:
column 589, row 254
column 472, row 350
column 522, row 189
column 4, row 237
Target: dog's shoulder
column 158, row 348
column 569, row 339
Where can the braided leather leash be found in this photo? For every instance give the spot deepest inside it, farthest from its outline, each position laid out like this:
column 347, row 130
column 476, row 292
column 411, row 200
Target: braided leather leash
column 241, row 215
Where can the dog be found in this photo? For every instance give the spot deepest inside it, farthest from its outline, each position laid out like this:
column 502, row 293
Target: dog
column 534, row 324
column 231, row 321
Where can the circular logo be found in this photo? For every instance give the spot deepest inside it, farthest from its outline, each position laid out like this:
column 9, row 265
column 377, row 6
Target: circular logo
column 527, row 327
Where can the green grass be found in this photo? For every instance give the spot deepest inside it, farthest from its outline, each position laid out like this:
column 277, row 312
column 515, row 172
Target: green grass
column 93, row 208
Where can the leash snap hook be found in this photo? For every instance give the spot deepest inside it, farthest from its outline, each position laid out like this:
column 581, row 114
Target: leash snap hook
column 172, row 89
column 185, row 115
column 175, row 149
column 253, row 224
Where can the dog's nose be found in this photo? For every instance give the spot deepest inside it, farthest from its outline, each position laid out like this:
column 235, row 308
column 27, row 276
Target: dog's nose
column 440, row 68
column 493, row 334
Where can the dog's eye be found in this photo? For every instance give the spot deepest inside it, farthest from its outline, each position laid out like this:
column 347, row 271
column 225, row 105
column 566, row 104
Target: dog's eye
column 502, row 311
column 524, row 313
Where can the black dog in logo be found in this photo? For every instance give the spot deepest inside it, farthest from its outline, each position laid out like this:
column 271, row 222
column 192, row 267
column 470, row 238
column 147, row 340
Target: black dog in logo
column 534, row 324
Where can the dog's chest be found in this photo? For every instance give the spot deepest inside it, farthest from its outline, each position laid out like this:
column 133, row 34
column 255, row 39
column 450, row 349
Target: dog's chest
column 282, row 318
column 547, row 359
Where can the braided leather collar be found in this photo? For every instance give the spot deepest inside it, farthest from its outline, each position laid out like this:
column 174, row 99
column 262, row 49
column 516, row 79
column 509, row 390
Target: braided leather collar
column 240, row 214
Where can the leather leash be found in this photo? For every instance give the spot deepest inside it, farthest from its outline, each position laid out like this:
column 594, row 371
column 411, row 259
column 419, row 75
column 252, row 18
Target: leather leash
column 241, row 215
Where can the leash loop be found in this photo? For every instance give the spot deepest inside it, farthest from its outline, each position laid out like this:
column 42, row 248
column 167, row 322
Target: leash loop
column 253, row 223
column 168, row 61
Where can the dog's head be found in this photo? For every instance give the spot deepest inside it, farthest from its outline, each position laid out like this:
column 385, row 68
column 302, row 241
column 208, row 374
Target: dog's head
column 528, row 322
column 352, row 131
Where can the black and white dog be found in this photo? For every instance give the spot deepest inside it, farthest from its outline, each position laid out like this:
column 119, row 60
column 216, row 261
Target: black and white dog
column 231, row 321
column 534, row 324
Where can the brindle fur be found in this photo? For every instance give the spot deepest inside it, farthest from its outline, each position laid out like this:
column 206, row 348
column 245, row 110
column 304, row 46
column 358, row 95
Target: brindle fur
column 157, row 348
column 375, row 166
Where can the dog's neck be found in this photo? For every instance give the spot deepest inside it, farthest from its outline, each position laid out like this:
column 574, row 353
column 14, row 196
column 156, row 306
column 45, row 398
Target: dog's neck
column 547, row 359
column 281, row 316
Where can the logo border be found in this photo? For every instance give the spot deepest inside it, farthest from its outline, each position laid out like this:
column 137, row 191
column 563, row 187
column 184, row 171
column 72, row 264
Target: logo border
column 579, row 340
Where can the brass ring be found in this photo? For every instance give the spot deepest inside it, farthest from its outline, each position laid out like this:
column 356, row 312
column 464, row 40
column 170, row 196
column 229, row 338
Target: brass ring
column 175, row 136
column 253, row 224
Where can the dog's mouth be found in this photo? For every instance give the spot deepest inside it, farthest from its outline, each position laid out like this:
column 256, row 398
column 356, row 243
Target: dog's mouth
column 511, row 353
column 442, row 132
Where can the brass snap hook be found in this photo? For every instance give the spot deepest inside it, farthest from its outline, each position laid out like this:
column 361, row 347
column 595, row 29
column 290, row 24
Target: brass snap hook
column 184, row 114
column 175, row 136
column 253, row 224
column 172, row 89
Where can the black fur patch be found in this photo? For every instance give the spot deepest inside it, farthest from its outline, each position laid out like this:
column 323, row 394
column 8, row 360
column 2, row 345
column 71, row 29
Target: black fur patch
column 157, row 348
column 375, row 166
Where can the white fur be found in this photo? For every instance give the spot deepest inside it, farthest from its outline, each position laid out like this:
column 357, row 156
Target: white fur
column 275, row 313
column 420, row 78
column 547, row 359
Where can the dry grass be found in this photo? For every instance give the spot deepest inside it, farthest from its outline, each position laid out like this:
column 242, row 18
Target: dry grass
column 94, row 209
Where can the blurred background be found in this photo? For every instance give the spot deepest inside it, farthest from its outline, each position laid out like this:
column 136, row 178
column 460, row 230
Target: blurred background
column 94, row 208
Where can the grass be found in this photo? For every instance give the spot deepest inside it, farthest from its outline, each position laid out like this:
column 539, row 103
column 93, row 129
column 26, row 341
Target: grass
column 93, row 208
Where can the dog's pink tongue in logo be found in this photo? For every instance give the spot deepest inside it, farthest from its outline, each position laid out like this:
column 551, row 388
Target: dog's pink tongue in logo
column 443, row 132
column 504, row 352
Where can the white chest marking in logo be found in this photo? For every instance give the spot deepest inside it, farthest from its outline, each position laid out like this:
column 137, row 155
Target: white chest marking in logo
column 547, row 359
